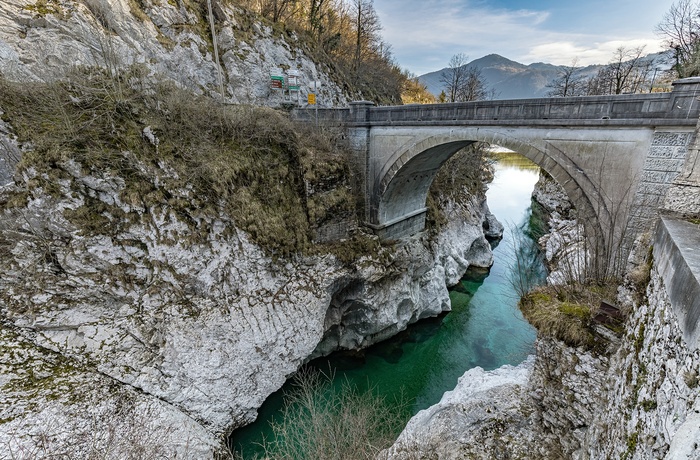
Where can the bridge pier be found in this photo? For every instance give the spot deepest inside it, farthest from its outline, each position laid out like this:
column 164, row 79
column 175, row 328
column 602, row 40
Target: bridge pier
column 358, row 130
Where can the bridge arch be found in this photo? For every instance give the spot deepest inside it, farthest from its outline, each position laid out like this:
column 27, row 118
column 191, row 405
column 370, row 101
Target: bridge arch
column 402, row 181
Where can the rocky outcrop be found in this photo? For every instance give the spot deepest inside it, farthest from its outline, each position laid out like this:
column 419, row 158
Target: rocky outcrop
column 53, row 406
column 379, row 300
column 198, row 327
column 564, row 242
column 486, row 416
column 9, row 154
column 44, row 39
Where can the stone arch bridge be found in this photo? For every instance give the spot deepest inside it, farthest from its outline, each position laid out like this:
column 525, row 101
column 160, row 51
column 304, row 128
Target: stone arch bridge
column 616, row 156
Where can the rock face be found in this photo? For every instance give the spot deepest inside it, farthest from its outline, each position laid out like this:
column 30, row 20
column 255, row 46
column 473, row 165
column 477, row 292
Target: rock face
column 197, row 332
column 484, row 417
column 564, row 243
column 42, row 39
column 184, row 334
column 10, row 154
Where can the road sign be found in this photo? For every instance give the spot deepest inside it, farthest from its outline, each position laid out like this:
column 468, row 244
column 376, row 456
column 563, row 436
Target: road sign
column 311, row 99
column 276, row 81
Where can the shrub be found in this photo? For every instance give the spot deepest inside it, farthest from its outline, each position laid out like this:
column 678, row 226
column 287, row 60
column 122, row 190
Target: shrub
column 565, row 312
column 319, row 422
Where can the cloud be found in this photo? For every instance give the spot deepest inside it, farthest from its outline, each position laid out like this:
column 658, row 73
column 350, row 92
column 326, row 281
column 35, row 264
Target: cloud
column 586, row 51
column 425, row 34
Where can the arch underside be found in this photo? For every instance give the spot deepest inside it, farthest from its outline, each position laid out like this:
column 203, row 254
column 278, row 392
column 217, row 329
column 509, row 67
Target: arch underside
column 400, row 190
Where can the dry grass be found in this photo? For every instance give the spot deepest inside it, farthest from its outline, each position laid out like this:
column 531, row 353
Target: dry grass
column 322, row 423
column 566, row 313
column 252, row 164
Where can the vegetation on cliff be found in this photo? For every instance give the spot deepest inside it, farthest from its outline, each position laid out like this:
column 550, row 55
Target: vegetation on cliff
column 566, row 312
column 344, row 36
column 277, row 181
column 462, row 177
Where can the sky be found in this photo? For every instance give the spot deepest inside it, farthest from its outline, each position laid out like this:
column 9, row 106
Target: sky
column 425, row 34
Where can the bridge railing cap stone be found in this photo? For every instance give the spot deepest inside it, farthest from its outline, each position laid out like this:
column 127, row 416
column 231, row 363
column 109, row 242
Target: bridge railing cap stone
column 686, row 84
column 687, row 81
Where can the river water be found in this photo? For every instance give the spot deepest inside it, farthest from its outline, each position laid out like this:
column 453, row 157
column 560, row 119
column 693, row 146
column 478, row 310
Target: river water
column 485, row 327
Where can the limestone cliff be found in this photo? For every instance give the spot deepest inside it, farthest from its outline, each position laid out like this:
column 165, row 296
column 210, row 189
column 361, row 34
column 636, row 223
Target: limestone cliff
column 45, row 39
column 139, row 302
column 203, row 330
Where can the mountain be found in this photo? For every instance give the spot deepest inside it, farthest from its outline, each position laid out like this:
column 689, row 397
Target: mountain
column 513, row 80
column 510, row 79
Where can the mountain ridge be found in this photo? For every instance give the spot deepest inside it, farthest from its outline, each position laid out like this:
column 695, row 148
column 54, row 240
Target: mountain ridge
column 513, row 80
column 509, row 79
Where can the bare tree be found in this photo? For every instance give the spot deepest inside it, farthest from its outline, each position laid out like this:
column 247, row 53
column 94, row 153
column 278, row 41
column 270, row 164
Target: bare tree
column 317, row 13
column 680, row 30
column 463, row 83
column 278, row 10
column 627, row 72
column 568, row 82
column 474, row 88
column 454, row 76
column 367, row 29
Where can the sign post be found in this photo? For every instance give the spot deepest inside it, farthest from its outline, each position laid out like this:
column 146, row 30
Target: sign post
column 293, row 83
column 316, row 85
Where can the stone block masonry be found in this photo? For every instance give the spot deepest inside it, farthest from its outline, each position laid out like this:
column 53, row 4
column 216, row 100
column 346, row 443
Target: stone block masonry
column 662, row 166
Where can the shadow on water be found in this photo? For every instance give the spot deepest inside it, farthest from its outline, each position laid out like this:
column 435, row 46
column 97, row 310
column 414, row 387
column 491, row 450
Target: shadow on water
column 484, row 328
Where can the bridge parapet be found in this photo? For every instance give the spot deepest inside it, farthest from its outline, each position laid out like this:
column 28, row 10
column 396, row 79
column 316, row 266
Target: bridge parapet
column 679, row 107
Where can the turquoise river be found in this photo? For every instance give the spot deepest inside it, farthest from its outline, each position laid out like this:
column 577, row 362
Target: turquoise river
column 484, row 328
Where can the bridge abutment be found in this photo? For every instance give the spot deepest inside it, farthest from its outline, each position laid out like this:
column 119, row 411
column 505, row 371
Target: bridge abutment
column 683, row 196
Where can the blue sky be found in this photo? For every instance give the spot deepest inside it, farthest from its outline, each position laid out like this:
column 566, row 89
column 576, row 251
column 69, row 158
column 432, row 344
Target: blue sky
column 424, row 34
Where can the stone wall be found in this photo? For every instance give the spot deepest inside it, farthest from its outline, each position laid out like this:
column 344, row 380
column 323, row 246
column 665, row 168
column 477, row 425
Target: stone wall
column 662, row 166
column 652, row 400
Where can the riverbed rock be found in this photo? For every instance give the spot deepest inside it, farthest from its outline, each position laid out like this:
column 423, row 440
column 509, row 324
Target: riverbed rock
column 484, row 417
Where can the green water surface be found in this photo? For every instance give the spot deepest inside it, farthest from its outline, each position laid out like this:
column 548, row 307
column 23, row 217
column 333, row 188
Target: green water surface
column 485, row 327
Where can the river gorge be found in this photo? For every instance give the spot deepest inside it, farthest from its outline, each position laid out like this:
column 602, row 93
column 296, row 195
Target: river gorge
column 484, row 327
column 169, row 261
